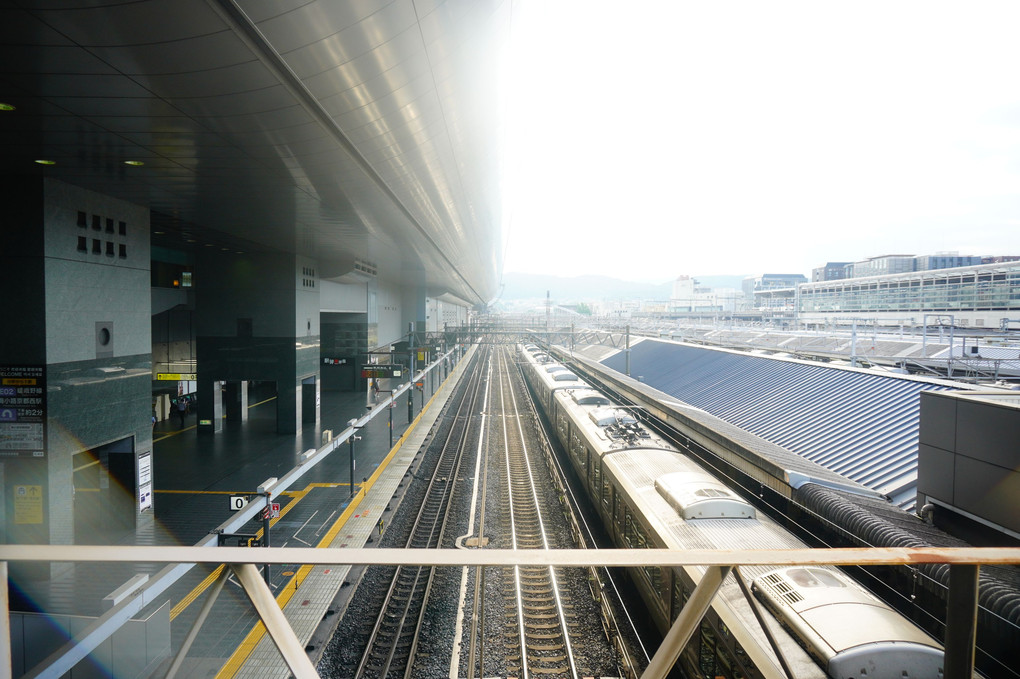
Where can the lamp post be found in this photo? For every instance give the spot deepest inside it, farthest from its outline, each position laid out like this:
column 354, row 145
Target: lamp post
column 265, row 488
column 350, row 440
column 390, row 409
column 410, row 399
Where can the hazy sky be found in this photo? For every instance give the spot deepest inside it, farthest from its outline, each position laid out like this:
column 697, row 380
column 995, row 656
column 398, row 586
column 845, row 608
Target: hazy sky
column 651, row 139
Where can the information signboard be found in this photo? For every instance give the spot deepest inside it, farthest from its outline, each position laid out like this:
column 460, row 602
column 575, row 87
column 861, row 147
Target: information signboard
column 176, row 377
column 382, row 370
column 22, row 411
column 144, row 482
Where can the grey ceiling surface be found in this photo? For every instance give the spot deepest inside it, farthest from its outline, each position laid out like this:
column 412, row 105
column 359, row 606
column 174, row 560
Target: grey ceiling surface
column 330, row 129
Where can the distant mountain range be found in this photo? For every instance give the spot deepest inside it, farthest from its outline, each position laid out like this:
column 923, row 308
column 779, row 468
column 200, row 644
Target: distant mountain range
column 522, row 286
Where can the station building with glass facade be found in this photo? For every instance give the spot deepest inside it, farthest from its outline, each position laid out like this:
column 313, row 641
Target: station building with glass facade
column 982, row 296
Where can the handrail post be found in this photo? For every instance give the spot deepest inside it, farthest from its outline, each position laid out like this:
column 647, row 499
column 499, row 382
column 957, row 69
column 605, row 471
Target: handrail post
column 961, row 621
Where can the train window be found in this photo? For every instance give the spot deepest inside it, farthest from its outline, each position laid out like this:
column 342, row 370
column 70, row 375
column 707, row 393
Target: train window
column 562, row 425
column 634, row 531
column 606, row 490
column 628, row 527
column 654, row 576
column 723, row 663
column 706, row 658
column 744, row 668
column 679, row 595
column 596, row 484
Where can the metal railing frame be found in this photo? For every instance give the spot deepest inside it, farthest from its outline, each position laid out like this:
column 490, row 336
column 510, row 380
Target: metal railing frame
column 961, row 625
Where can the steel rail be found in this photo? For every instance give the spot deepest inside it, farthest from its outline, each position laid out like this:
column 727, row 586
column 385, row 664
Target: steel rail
column 527, row 494
column 396, row 612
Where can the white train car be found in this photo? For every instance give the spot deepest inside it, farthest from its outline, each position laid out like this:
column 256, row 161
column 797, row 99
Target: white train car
column 648, row 494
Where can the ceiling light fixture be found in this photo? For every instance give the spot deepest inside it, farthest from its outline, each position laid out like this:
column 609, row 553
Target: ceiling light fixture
column 46, row 162
column 6, row 107
column 134, row 163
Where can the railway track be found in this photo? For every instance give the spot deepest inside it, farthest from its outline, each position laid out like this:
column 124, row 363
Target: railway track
column 541, row 617
column 496, row 621
column 394, row 636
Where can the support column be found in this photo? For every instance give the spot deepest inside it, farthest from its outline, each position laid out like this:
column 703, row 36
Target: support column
column 309, row 400
column 288, row 407
column 210, row 406
column 235, row 401
column 78, row 346
column 257, row 318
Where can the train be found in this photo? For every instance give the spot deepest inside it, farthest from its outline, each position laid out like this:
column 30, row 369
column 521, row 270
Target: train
column 648, row 493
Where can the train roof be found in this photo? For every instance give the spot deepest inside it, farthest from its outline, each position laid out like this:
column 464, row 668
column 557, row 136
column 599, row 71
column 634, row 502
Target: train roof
column 588, row 397
column 697, row 496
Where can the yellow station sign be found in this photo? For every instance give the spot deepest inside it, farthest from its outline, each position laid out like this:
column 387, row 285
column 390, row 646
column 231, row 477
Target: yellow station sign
column 176, row 377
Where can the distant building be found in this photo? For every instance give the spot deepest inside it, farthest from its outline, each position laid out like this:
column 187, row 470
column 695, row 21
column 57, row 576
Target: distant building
column 689, row 296
column 982, row 296
column 999, row 259
column 884, row 265
column 832, row 271
column 944, row 260
column 772, row 292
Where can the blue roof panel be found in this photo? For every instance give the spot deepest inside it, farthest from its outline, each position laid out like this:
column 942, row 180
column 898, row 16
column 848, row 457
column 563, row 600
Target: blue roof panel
column 858, row 424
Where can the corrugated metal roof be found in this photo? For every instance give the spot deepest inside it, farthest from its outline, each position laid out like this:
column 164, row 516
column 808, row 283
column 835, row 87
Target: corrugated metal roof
column 858, row 424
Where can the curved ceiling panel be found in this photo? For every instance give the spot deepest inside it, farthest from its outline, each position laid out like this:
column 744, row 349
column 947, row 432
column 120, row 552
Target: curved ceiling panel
column 334, row 130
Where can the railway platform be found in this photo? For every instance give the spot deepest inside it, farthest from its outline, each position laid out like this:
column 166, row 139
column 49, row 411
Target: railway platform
column 194, row 478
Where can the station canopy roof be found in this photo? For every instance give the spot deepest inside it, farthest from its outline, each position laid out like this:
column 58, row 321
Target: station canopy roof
column 363, row 135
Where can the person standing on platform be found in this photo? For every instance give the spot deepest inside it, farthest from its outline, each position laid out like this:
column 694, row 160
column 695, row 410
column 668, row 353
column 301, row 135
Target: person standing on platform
column 182, row 408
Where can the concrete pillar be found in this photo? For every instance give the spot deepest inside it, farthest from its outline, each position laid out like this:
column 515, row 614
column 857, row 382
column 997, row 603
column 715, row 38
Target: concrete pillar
column 81, row 319
column 210, row 406
column 235, row 401
column 257, row 318
column 309, row 400
column 288, row 406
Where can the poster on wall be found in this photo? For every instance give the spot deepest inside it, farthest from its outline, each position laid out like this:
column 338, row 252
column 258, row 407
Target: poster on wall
column 22, row 411
column 144, row 482
column 28, row 504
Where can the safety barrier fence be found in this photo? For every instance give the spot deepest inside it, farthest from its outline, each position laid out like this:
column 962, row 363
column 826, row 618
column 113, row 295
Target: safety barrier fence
column 961, row 625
